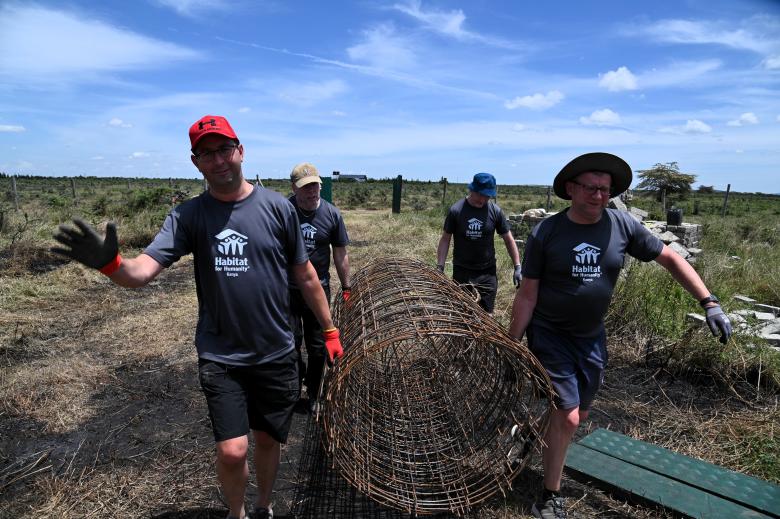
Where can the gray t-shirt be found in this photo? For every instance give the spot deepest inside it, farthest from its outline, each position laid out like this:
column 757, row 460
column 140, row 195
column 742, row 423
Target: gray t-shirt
column 472, row 230
column 578, row 267
column 321, row 228
column 242, row 251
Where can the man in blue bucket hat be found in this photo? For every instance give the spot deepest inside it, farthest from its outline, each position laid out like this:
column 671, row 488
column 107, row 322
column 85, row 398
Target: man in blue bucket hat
column 472, row 220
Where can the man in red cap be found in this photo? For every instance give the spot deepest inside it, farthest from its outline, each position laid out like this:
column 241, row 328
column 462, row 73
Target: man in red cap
column 244, row 240
column 570, row 267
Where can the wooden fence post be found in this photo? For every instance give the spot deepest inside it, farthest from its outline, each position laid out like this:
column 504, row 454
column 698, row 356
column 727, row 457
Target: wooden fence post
column 725, row 201
column 170, row 181
column 73, row 187
column 397, row 184
column 16, row 195
column 444, row 191
column 547, row 204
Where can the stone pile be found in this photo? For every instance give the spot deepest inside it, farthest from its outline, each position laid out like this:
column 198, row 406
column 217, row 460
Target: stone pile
column 753, row 320
column 682, row 239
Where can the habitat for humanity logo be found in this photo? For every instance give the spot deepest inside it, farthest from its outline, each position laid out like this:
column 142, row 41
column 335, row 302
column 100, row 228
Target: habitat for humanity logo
column 309, row 232
column 586, row 260
column 474, row 228
column 231, row 246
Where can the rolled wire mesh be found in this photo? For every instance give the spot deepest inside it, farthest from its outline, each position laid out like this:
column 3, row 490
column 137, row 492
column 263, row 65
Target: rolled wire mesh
column 433, row 407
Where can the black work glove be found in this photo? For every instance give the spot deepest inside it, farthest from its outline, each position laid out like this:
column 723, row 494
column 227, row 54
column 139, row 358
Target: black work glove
column 86, row 246
column 718, row 322
column 517, row 277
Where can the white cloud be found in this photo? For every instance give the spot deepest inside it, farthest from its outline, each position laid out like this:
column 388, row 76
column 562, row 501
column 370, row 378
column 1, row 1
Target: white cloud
column 519, row 127
column 308, row 94
column 50, row 45
column 772, row 62
column 744, row 119
column 739, row 151
column 618, row 80
column 116, row 122
column 451, row 24
column 384, row 48
column 536, row 101
column 139, row 155
column 605, row 117
column 338, row 113
column 244, row 109
column 696, row 126
column 97, row 157
column 10, row 128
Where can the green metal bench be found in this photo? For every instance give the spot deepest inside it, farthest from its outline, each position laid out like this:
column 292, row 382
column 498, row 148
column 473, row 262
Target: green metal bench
column 650, row 474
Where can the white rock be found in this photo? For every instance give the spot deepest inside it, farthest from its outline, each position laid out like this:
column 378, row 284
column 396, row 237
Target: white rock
column 668, row 237
column 679, row 249
column 695, row 318
column 767, row 308
column 764, row 316
column 744, row 299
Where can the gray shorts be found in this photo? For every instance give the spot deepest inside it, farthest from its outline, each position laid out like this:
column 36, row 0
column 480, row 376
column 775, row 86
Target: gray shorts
column 575, row 364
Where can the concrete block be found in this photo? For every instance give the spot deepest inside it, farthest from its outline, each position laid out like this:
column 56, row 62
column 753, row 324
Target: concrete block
column 743, row 299
column 771, row 328
column 767, row 308
column 764, row 316
column 773, row 339
column 617, row 203
column 668, row 237
column 679, row 249
column 694, row 251
column 638, row 212
column 695, row 318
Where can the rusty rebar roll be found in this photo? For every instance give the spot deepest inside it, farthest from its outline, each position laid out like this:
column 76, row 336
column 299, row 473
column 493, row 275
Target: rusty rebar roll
column 433, row 407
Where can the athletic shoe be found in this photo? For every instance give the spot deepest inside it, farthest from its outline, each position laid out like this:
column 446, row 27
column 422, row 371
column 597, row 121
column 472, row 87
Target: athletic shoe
column 265, row 513
column 553, row 508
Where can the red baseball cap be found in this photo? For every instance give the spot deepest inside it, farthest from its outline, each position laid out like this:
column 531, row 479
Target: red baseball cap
column 210, row 124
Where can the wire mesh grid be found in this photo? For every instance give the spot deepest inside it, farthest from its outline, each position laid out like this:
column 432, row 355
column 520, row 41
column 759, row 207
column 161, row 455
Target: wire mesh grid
column 433, row 408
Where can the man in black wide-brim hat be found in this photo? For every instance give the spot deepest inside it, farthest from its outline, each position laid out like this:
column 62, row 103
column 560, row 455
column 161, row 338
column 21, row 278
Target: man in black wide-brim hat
column 570, row 267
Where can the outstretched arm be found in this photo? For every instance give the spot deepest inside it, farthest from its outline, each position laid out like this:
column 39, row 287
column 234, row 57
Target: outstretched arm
column 83, row 244
column 690, row 280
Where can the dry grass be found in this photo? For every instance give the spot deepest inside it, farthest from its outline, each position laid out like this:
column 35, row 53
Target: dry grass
column 101, row 413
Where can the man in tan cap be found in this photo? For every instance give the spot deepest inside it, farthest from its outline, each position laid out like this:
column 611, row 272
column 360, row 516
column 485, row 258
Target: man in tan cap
column 246, row 243
column 323, row 229
column 570, row 267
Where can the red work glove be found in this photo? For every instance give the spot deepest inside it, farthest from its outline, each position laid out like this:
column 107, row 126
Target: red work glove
column 333, row 344
column 345, row 293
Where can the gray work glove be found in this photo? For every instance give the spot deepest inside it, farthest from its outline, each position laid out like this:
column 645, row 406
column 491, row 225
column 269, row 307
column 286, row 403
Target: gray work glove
column 517, row 277
column 440, row 267
column 718, row 322
column 86, row 246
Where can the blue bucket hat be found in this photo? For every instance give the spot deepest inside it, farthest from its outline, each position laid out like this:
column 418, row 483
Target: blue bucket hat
column 484, row 184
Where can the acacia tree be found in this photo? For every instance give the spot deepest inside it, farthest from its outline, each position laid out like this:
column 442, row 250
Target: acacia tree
column 665, row 179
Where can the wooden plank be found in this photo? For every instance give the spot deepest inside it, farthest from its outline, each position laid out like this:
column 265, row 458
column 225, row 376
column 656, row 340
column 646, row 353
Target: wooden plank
column 646, row 486
column 746, row 490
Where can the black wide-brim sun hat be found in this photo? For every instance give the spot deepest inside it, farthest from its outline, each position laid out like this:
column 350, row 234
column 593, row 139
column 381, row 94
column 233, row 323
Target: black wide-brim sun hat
column 617, row 168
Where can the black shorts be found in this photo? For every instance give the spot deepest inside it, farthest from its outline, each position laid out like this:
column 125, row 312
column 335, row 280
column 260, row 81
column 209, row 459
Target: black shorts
column 260, row 397
column 484, row 280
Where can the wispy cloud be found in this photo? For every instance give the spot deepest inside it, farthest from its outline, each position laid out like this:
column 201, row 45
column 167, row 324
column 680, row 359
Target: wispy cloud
column 139, row 155
column 757, row 34
column 116, row 122
column 536, row 101
column 618, row 80
column 772, row 62
column 10, row 128
column 382, row 47
column 51, row 45
column 450, row 24
column 605, row 117
column 194, row 7
column 744, row 119
column 309, row 94
column 678, row 74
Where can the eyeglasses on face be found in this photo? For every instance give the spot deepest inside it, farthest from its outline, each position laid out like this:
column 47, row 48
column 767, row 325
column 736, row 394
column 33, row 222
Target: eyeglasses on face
column 591, row 189
column 225, row 152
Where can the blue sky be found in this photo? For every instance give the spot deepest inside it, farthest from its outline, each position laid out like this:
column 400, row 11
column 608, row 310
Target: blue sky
column 414, row 87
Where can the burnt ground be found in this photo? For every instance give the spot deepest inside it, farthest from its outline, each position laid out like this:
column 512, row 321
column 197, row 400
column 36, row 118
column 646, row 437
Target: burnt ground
column 101, row 414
